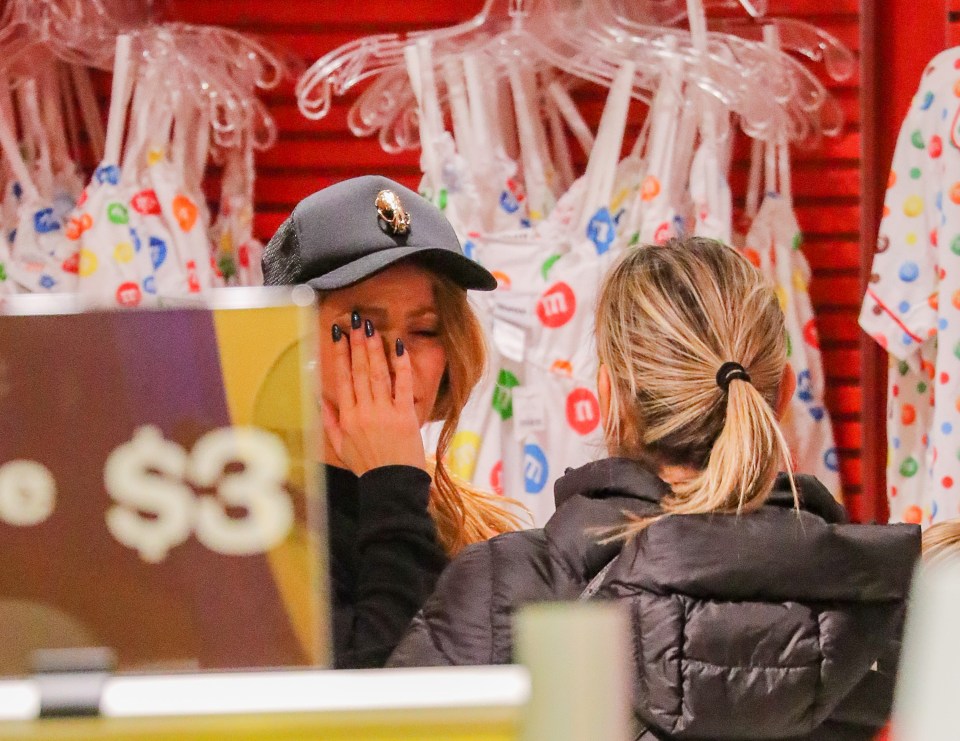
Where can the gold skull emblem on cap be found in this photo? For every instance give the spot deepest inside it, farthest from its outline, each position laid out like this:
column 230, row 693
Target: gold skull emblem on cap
column 391, row 211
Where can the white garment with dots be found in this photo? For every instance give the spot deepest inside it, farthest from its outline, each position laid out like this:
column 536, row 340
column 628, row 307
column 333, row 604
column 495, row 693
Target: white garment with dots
column 912, row 303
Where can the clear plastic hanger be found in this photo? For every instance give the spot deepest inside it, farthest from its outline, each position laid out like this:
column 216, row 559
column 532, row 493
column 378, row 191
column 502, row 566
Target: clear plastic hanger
column 220, row 69
column 340, row 70
column 514, row 31
column 337, row 72
column 383, row 104
column 811, row 110
column 673, row 12
column 79, row 31
column 378, row 104
column 387, row 105
column 597, row 40
column 519, row 40
column 802, row 37
column 221, row 72
column 586, row 43
column 733, row 65
column 591, row 51
column 795, row 34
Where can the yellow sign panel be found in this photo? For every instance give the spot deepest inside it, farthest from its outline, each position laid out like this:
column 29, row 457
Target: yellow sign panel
column 449, row 725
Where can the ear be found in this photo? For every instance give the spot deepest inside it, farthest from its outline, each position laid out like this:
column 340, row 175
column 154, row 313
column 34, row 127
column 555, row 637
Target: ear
column 788, row 385
column 603, row 392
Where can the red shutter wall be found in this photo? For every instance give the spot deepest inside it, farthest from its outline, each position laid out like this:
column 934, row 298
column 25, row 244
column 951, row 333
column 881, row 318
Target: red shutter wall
column 827, row 185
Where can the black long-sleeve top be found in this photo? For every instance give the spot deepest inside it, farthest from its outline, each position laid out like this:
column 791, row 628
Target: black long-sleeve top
column 384, row 559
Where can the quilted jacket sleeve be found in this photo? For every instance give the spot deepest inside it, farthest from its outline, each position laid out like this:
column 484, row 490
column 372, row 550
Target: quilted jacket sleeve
column 454, row 627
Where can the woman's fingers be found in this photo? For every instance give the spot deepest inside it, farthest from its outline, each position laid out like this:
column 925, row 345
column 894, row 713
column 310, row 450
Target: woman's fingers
column 381, row 428
column 342, row 370
column 403, row 377
column 380, row 384
column 360, row 363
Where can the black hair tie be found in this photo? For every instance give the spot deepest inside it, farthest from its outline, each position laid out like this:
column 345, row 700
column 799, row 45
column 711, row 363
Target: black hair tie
column 730, row 371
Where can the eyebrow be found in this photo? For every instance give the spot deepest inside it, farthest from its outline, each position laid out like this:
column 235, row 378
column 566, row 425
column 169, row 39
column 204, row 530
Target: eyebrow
column 378, row 311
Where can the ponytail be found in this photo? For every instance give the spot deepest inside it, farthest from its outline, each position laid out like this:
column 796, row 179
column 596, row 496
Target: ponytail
column 743, row 462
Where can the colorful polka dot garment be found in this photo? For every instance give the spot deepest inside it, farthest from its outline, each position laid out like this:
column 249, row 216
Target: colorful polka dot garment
column 140, row 233
column 658, row 214
column 912, row 303
column 238, row 252
column 710, row 191
column 6, row 283
column 468, row 175
column 536, row 412
column 40, row 255
column 911, row 486
column 114, row 265
column 773, row 245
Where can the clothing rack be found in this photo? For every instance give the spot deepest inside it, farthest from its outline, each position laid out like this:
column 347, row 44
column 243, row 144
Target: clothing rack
column 311, row 155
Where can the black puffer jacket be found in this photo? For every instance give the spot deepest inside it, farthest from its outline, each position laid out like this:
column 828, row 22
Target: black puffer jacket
column 774, row 624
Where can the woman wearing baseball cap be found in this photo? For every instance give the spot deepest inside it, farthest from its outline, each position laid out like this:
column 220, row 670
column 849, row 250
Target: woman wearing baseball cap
column 400, row 347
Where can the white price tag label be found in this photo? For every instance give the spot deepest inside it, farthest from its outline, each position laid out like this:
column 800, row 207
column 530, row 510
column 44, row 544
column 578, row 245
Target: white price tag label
column 510, row 340
column 529, row 411
column 515, row 307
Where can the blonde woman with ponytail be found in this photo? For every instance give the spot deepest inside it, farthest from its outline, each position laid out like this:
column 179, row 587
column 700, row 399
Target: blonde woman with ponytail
column 399, row 347
column 757, row 611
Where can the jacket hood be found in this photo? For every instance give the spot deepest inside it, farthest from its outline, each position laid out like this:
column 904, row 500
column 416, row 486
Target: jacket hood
column 591, row 502
column 777, row 614
column 595, row 499
column 629, row 479
column 607, row 478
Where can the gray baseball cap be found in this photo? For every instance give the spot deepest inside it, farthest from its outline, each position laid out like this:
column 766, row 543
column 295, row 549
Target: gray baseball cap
column 347, row 232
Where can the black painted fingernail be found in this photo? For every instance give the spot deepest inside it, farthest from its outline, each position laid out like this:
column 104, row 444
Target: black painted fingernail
column 337, row 333
column 368, row 328
column 400, row 347
column 355, row 320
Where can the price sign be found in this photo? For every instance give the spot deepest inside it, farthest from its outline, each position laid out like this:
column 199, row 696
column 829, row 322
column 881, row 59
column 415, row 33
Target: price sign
column 154, row 513
column 157, row 485
column 156, row 509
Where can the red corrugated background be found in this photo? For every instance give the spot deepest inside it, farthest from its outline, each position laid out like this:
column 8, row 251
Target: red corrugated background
column 311, row 154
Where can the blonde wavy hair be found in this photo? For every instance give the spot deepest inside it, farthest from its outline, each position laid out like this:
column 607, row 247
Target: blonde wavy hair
column 464, row 514
column 941, row 542
column 667, row 319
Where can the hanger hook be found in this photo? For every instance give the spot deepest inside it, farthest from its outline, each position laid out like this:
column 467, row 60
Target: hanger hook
column 517, row 11
column 753, row 8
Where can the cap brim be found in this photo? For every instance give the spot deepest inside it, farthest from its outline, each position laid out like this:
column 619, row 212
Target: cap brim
column 460, row 269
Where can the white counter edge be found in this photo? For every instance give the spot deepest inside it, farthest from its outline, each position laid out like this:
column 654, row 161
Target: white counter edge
column 291, row 691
